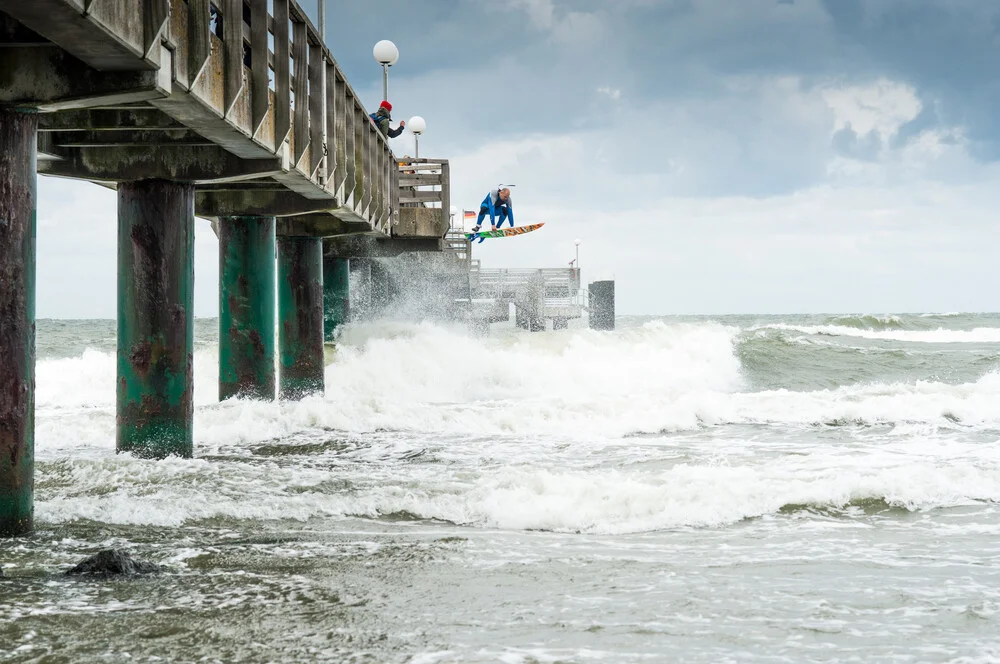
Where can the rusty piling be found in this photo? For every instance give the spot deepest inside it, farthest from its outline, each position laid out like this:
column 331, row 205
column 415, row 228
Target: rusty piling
column 300, row 316
column 18, row 154
column 155, row 318
column 336, row 294
column 246, row 307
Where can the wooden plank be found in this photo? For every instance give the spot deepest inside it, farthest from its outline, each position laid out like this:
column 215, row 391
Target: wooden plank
column 366, row 163
column 376, row 183
column 232, row 44
column 300, row 126
column 154, row 18
column 383, row 178
column 199, row 39
column 259, row 101
column 317, row 107
column 342, row 137
column 359, row 157
column 331, row 125
column 282, row 82
column 420, row 197
column 446, row 191
column 407, row 180
column 394, row 193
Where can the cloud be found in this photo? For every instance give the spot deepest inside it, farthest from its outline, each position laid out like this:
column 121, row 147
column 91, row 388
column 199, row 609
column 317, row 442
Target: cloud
column 883, row 106
column 77, row 238
column 714, row 155
column 614, row 93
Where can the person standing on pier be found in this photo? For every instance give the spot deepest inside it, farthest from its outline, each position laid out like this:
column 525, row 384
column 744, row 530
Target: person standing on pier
column 382, row 118
column 497, row 204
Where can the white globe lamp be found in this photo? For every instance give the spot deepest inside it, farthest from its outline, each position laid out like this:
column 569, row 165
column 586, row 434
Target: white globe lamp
column 386, row 54
column 418, row 126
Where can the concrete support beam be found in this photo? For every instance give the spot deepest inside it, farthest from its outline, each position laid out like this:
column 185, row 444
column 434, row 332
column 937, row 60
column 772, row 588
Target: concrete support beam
column 14, row 34
column 155, row 318
column 17, row 321
column 50, row 79
column 421, row 222
column 108, row 119
column 126, row 138
column 336, row 294
column 373, row 246
column 95, row 36
column 300, row 317
column 179, row 163
column 246, row 307
column 321, row 225
column 275, row 201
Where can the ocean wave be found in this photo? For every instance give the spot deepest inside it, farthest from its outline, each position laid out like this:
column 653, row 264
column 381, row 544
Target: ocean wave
column 650, row 379
column 940, row 335
column 174, row 492
column 869, row 322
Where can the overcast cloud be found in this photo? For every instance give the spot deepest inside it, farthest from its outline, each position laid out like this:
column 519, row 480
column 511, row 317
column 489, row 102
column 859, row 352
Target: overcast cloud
column 713, row 156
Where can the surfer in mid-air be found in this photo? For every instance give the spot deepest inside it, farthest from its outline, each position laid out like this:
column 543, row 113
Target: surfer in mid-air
column 497, row 204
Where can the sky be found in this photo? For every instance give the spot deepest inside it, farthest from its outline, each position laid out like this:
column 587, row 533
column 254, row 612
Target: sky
column 711, row 156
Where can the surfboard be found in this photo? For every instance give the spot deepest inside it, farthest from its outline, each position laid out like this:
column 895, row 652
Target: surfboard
column 505, row 232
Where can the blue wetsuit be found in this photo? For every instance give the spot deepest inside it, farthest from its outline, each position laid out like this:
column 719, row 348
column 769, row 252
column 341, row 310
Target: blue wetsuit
column 496, row 208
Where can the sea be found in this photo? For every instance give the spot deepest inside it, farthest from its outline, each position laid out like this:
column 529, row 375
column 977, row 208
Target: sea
column 786, row 488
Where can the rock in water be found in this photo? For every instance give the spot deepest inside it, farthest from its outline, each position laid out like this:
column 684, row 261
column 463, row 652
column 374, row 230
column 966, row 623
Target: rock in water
column 112, row 562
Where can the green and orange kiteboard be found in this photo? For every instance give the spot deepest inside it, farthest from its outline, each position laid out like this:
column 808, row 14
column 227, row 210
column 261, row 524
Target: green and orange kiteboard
column 504, row 232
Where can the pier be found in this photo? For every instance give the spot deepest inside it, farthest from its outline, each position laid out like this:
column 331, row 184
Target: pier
column 219, row 109
column 229, row 111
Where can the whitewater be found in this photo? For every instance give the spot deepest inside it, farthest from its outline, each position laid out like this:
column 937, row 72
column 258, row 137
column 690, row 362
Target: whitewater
column 700, row 489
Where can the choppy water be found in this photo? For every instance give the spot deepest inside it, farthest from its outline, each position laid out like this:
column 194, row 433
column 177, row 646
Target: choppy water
column 786, row 488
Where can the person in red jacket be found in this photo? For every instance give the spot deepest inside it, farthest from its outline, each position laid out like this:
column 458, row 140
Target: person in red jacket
column 382, row 118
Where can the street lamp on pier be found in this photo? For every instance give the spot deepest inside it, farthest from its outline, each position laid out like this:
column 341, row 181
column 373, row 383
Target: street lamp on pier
column 386, row 54
column 418, row 126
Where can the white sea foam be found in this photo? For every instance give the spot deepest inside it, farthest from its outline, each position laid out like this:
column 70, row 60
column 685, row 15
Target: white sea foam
column 573, row 384
column 516, row 496
column 533, row 430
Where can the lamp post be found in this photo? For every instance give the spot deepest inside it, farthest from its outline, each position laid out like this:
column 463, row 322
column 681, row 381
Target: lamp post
column 418, row 126
column 321, row 11
column 386, row 54
column 452, row 212
column 576, row 262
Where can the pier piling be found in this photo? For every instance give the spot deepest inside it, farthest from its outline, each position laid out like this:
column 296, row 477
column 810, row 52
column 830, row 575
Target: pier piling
column 246, row 307
column 155, row 318
column 602, row 305
column 336, row 294
column 18, row 155
column 300, row 316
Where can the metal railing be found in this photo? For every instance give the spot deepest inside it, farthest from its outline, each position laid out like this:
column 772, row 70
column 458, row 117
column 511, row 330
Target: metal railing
column 557, row 286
